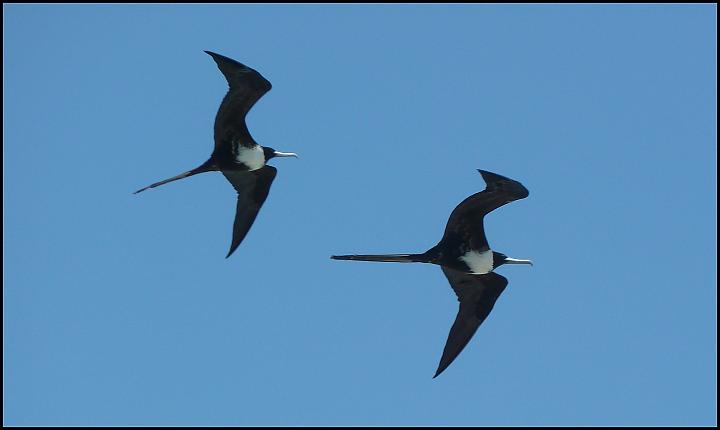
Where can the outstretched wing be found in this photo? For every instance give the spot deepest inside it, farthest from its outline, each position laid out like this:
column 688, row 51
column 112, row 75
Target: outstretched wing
column 252, row 188
column 466, row 220
column 477, row 295
column 246, row 88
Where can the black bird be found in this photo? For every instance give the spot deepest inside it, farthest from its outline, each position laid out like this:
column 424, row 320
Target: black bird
column 467, row 260
column 236, row 154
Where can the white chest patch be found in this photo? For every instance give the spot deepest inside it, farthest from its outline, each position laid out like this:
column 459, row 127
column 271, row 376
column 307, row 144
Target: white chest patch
column 253, row 158
column 479, row 262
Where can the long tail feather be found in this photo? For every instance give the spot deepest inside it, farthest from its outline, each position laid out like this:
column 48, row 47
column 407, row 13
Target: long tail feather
column 388, row 258
column 205, row 167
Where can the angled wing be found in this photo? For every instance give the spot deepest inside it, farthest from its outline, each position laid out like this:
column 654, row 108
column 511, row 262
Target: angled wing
column 246, row 88
column 466, row 220
column 477, row 295
column 252, row 188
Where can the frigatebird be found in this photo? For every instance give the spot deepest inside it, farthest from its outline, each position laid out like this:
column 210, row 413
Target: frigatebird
column 236, row 154
column 466, row 260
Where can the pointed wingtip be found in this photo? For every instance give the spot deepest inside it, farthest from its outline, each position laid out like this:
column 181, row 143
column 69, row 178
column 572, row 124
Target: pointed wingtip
column 233, row 248
column 441, row 368
column 217, row 57
column 492, row 180
column 490, row 176
column 494, row 177
column 487, row 176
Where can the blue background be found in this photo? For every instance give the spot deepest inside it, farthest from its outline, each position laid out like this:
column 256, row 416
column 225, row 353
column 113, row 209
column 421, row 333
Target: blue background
column 121, row 308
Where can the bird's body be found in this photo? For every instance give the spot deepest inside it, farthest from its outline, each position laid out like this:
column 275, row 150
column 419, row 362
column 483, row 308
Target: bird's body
column 466, row 260
column 236, row 154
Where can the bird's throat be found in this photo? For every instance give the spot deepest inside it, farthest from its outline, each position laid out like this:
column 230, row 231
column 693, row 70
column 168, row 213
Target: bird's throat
column 253, row 158
column 479, row 262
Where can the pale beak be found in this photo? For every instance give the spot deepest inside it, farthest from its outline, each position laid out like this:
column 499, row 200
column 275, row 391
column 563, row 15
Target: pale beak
column 285, row 154
column 517, row 261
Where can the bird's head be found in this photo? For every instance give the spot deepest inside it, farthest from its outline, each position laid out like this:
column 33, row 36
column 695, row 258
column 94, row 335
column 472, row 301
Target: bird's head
column 270, row 153
column 499, row 259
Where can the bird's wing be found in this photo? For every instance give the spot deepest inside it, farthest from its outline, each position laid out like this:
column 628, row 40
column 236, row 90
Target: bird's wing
column 466, row 220
column 477, row 295
column 246, row 88
column 252, row 188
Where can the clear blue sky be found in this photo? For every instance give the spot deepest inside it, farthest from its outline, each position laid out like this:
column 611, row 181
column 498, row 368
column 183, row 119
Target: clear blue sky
column 121, row 308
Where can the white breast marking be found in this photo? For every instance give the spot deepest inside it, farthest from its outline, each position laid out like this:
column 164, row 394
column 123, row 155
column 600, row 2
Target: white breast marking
column 479, row 262
column 253, row 158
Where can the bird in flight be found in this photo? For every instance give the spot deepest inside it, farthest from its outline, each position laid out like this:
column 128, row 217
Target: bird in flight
column 236, row 154
column 466, row 260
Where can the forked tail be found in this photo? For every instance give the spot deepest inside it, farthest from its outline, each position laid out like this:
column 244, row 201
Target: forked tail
column 388, row 258
column 205, row 167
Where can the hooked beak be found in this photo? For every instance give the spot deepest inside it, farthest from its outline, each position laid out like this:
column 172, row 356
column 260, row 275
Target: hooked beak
column 285, row 154
column 517, row 261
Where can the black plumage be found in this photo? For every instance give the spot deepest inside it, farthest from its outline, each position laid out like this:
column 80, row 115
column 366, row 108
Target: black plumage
column 466, row 260
column 477, row 295
column 236, row 154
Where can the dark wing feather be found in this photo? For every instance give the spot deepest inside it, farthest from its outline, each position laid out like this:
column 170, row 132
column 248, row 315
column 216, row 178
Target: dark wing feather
column 246, row 88
column 252, row 188
column 477, row 295
column 466, row 220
